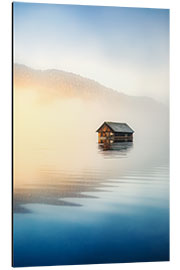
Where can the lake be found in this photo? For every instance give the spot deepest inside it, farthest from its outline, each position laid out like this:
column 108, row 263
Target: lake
column 87, row 205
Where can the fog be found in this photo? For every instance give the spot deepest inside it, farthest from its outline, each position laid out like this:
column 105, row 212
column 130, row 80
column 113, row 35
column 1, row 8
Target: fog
column 55, row 123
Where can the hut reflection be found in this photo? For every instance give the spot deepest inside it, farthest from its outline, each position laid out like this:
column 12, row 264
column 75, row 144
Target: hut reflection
column 118, row 149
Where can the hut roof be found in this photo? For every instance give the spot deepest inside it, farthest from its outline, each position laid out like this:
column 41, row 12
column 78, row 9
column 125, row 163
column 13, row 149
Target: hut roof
column 117, row 127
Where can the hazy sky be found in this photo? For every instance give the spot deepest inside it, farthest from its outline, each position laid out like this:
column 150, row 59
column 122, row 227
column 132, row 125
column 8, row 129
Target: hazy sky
column 126, row 49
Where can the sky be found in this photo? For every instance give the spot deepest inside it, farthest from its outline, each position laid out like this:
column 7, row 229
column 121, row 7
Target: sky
column 126, row 49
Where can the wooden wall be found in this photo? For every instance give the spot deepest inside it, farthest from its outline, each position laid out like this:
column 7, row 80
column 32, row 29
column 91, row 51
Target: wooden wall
column 105, row 134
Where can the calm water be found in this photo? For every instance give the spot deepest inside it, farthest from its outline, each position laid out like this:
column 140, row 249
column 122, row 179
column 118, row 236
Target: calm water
column 91, row 205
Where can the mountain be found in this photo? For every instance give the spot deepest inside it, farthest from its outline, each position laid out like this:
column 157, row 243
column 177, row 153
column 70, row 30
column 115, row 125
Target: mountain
column 66, row 84
column 104, row 104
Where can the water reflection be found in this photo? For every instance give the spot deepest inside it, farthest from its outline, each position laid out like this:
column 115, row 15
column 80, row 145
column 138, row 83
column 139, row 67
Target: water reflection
column 52, row 186
column 56, row 186
column 115, row 150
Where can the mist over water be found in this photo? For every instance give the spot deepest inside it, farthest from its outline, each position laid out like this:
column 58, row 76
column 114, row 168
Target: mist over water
column 74, row 201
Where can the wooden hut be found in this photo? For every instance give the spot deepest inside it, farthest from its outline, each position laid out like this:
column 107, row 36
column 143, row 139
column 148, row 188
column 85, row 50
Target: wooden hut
column 110, row 132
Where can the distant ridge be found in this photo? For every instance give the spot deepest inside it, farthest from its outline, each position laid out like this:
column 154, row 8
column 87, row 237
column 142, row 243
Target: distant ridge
column 69, row 84
column 143, row 113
